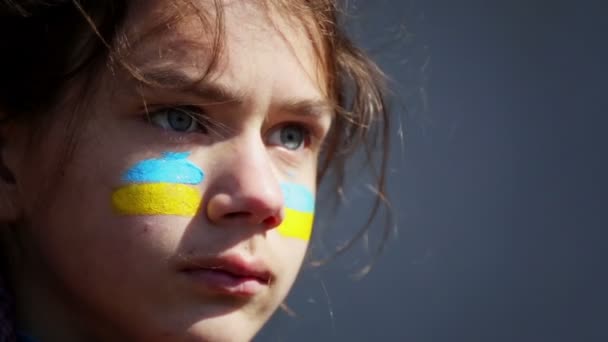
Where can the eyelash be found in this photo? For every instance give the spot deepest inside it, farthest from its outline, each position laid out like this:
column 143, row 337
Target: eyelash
column 195, row 113
column 310, row 134
column 306, row 136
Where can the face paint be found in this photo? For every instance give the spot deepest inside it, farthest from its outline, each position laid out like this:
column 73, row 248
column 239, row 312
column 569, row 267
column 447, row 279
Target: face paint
column 171, row 168
column 158, row 187
column 299, row 212
column 157, row 199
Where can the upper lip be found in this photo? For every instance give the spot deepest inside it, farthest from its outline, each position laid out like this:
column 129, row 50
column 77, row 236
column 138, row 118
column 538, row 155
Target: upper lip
column 237, row 265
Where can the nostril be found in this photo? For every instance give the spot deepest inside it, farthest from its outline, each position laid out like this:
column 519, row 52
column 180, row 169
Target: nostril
column 271, row 221
column 238, row 215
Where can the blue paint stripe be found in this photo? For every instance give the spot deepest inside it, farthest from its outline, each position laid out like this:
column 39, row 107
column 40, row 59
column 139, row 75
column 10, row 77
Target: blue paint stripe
column 297, row 197
column 170, row 168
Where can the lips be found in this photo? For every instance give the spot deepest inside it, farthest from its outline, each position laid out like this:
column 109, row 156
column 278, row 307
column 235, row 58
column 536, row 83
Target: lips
column 228, row 275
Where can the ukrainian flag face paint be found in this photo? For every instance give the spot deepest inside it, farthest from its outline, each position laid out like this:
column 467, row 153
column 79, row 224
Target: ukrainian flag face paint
column 163, row 186
column 172, row 167
column 160, row 187
column 299, row 212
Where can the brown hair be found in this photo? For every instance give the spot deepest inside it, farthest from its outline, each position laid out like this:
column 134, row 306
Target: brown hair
column 47, row 44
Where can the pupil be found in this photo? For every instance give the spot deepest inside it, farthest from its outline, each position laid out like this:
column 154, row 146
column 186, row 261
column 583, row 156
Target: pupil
column 179, row 121
column 292, row 137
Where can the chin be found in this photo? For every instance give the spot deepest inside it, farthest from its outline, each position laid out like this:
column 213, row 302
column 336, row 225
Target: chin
column 232, row 327
column 226, row 334
column 215, row 330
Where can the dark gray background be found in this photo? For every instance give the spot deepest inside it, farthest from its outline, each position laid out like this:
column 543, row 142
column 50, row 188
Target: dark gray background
column 499, row 191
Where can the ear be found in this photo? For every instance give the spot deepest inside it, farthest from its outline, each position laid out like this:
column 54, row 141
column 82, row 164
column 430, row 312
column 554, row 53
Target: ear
column 10, row 157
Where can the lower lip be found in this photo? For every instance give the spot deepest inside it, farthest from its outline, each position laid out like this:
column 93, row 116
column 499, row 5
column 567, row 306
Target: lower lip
column 226, row 283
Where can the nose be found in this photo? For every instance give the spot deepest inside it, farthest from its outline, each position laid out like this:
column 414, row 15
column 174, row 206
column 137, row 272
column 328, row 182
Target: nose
column 245, row 189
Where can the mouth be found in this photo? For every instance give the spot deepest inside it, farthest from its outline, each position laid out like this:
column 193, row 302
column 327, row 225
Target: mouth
column 232, row 275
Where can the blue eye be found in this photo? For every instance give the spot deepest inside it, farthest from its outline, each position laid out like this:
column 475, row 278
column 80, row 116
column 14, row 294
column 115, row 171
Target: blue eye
column 179, row 119
column 292, row 136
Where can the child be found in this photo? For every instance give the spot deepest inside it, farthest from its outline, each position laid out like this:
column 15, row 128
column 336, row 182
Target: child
column 159, row 161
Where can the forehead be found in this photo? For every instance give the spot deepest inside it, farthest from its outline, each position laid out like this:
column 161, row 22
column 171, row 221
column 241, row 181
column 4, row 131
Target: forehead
column 231, row 39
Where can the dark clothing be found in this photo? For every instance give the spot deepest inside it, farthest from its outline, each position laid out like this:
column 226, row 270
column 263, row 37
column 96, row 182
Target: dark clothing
column 7, row 331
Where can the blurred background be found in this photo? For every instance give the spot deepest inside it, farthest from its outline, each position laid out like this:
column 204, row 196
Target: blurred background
column 498, row 188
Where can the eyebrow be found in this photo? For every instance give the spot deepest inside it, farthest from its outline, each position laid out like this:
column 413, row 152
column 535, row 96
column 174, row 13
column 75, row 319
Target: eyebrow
column 314, row 108
column 185, row 83
column 220, row 94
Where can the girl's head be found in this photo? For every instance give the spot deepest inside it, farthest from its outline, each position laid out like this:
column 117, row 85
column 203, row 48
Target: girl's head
column 159, row 159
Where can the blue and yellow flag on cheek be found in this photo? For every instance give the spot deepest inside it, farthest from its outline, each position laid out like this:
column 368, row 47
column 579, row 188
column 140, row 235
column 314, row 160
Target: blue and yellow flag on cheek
column 160, row 186
column 299, row 212
column 163, row 186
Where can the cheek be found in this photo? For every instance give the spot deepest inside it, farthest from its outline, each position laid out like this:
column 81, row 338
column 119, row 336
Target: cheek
column 160, row 186
column 291, row 253
column 299, row 212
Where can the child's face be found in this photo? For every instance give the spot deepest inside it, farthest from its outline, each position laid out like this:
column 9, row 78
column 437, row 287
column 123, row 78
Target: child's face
column 162, row 227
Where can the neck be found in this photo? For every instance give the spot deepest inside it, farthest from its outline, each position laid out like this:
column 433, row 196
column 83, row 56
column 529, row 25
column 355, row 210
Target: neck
column 39, row 311
column 44, row 310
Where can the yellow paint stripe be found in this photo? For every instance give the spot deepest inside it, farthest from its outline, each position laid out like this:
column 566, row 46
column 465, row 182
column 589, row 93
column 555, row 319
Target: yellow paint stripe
column 297, row 224
column 157, row 199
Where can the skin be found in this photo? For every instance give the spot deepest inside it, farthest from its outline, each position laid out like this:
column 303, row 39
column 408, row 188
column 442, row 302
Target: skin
column 86, row 272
